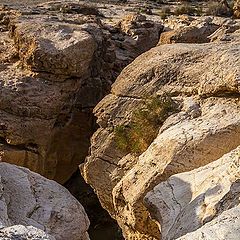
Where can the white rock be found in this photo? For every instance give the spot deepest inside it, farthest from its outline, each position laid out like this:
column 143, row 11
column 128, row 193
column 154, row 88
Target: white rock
column 28, row 199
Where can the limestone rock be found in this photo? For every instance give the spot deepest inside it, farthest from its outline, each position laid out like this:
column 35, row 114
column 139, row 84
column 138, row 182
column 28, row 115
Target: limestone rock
column 187, row 201
column 28, row 199
column 204, row 80
column 52, row 47
column 19, row 232
column 225, row 226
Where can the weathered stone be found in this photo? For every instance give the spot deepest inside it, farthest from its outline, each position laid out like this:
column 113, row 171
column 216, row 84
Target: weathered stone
column 196, row 32
column 62, row 67
column 52, row 46
column 236, row 8
column 143, row 33
column 204, row 79
column 186, row 201
column 31, row 200
column 225, row 226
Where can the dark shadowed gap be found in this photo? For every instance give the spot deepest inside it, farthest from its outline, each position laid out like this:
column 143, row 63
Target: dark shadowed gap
column 102, row 225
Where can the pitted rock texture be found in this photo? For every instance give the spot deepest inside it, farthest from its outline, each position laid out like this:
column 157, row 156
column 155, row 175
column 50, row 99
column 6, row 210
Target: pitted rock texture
column 29, row 199
column 19, row 232
column 55, row 67
column 204, row 80
column 188, row 201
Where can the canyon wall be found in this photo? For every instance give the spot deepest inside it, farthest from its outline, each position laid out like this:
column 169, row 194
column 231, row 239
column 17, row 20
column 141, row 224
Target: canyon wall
column 57, row 64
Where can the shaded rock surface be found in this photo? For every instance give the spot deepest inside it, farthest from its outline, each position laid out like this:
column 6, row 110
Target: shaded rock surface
column 31, row 200
column 204, row 81
column 225, row 226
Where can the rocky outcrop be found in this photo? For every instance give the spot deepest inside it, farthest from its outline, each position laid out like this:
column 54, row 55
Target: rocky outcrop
column 203, row 80
column 54, row 69
column 20, row 232
column 200, row 30
column 188, row 201
column 195, row 33
column 28, row 199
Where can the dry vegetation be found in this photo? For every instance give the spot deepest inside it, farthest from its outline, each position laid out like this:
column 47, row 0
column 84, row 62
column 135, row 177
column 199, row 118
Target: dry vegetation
column 146, row 122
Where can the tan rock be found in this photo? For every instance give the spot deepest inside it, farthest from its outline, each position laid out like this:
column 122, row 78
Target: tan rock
column 29, row 199
column 236, row 8
column 187, row 201
column 144, row 33
column 194, row 33
column 204, row 80
column 52, row 46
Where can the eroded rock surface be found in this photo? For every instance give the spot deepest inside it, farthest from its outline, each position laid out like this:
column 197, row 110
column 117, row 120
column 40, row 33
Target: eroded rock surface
column 56, row 66
column 29, row 199
column 187, row 201
column 204, row 81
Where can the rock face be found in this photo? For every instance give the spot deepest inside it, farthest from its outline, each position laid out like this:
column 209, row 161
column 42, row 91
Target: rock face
column 203, row 79
column 20, row 232
column 186, row 201
column 53, row 70
column 225, row 226
column 28, row 199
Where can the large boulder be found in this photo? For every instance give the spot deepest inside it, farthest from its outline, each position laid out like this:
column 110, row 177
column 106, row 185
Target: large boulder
column 204, row 81
column 52, row 46
column 187, row 201
column 29, row 199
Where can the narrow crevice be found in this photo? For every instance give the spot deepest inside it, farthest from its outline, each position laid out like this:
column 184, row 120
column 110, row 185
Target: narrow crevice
column 102, row 225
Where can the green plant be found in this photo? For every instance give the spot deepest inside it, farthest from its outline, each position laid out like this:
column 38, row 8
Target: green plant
column 144, row 125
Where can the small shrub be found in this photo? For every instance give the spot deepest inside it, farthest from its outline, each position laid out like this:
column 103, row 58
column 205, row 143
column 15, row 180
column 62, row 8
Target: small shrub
column 165, row 12
column 219, row 9
column 144, row 126
column 185, row 9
